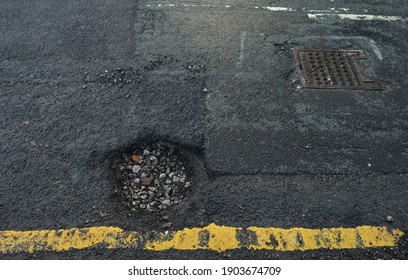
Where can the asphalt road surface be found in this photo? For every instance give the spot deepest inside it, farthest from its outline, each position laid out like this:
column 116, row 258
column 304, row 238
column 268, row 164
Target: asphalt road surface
column 219, row 80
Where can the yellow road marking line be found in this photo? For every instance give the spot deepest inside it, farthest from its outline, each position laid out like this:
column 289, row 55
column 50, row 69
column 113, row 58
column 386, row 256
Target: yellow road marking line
column 212, row 237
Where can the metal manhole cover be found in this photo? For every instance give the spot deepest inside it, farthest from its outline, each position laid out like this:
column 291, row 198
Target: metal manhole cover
column 333, row 69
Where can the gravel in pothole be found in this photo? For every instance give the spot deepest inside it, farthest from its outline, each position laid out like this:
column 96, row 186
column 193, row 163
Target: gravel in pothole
column 154, row 178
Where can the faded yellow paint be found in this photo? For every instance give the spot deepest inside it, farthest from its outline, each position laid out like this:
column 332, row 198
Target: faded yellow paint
column 212, row 237
column 65, row 240
column 335, row 238
column 378, row 236
column 220, row 238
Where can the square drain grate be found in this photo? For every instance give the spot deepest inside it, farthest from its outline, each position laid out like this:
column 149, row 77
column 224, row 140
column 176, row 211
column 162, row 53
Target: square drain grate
column 333, row 69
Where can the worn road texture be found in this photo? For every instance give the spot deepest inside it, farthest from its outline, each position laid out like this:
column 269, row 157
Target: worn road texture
column 218, row 79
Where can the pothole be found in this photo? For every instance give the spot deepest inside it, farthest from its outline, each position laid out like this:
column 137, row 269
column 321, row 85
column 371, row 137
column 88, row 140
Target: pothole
column 154, row 177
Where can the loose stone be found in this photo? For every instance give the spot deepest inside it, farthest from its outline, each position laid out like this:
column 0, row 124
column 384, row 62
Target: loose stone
column 166, row 202
column 136, row 168
column 166, row 225
column 147, row 181
column 135, row 158
column 153, row 159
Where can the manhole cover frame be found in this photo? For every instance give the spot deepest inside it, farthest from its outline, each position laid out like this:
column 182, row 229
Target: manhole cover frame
column 333, row 69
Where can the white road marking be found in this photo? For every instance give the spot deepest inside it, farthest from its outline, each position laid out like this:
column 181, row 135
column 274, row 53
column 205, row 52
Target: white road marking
column 311, row 13
column 241, row 50
column 358, row 17
column 371, row 17
column 278, row 9
column 376, row 49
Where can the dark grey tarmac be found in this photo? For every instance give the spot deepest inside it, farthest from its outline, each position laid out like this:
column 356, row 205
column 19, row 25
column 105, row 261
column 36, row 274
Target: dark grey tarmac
column 217, row 78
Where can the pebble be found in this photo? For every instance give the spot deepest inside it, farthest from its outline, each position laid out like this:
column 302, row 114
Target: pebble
column 147, row 181
column 136, row 168
column 135, row 158
column 166, row 202
column 390, row 219
column 166, row 225
column 146, row 152
column 153, row 159
column 162, row 176
column 176, row 179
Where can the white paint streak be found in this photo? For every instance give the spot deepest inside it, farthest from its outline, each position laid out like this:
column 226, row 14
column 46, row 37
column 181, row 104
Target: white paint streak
column 358, row 17
column 278, row 9
column 241, row 50
column 312, row 14
column 331, row 12
column 376, row 49
column 370, row 17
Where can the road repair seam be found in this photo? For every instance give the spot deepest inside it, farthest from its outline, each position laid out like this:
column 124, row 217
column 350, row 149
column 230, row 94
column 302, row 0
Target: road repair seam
column 312, row 14
column 212, row 237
